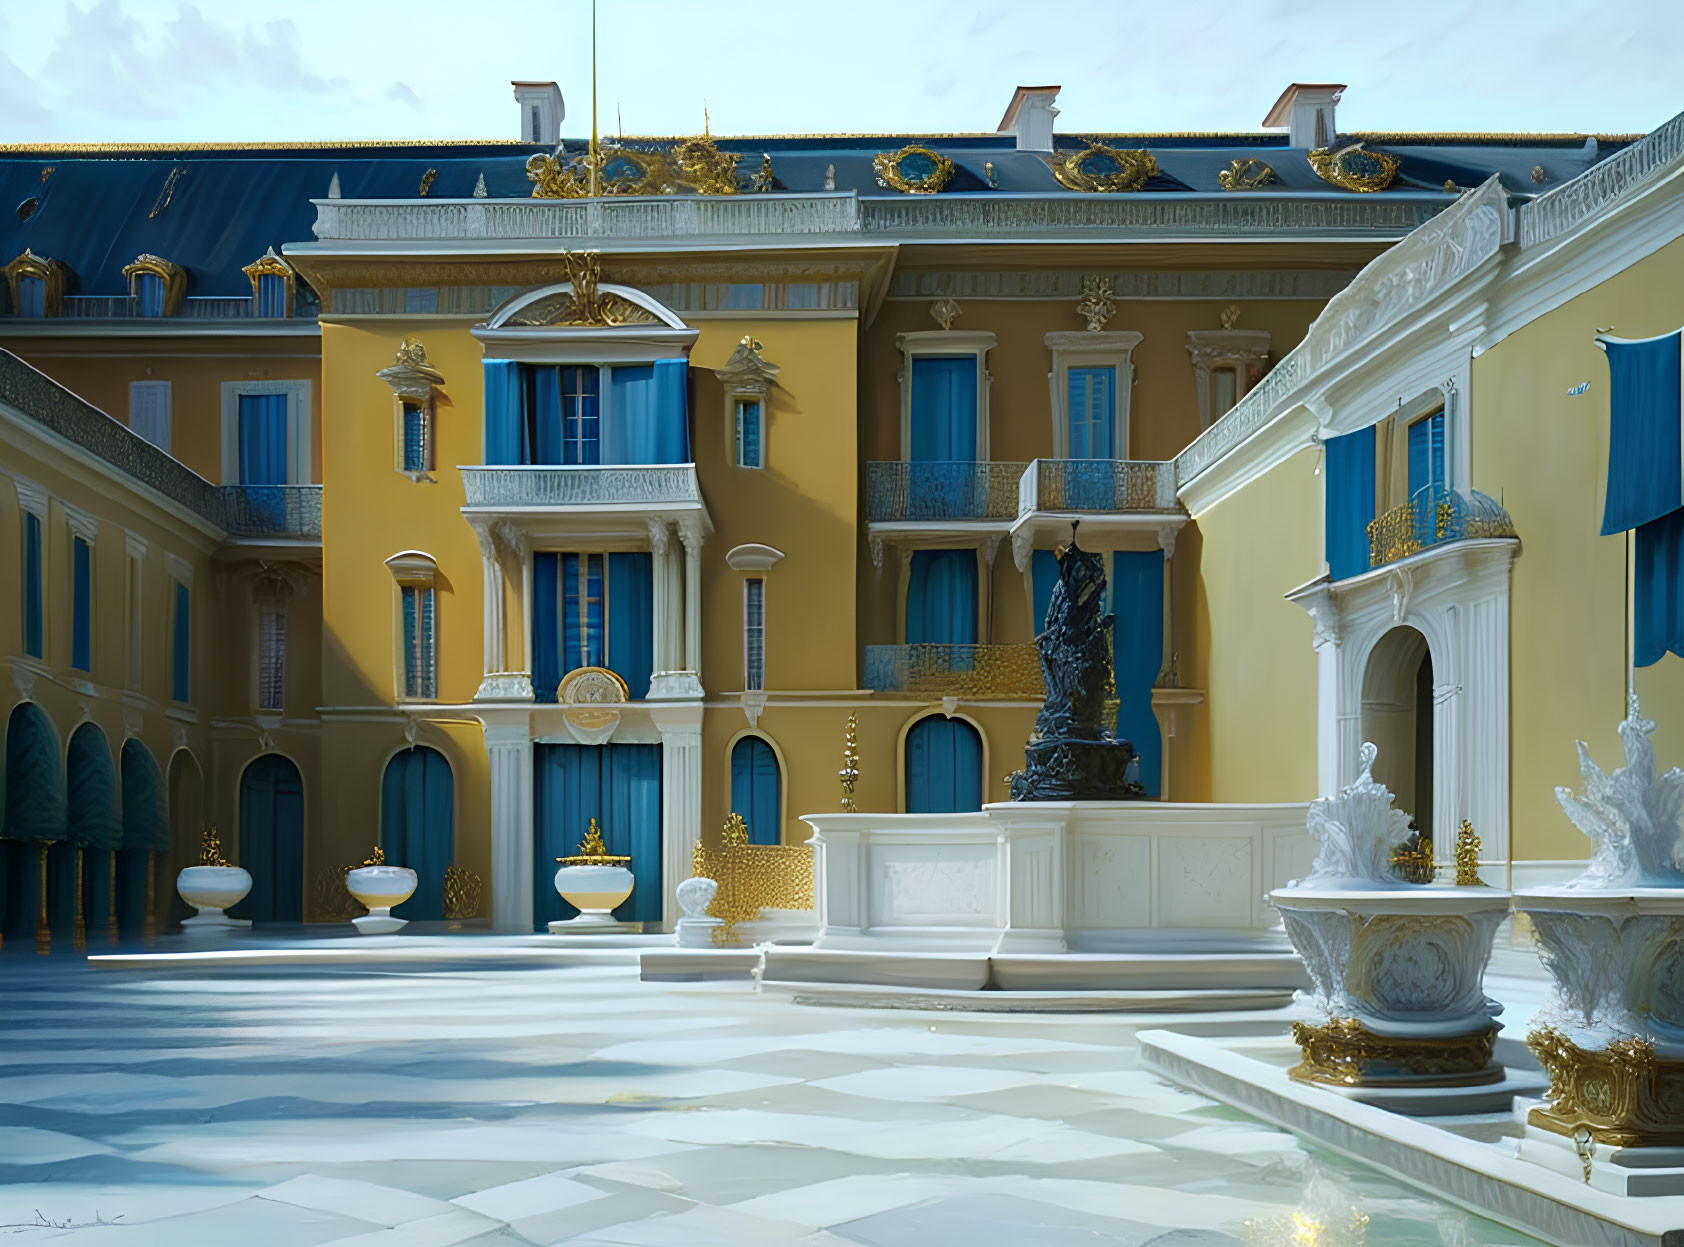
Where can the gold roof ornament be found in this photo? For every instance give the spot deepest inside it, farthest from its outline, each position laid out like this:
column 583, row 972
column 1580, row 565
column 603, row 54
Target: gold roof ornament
column 52, row 275
column 1245, row 175
column 584, row 304
column 1230, row 316
column 1538, row 174
column 702, row 165
column 427, row 181
column 945, row 311
column 1104, row 170
column 1098, row 303
column 913, row 170
column 210, row 849
column 1355, row 168
column 850, row 772
column 592, row 851
column 763, row 180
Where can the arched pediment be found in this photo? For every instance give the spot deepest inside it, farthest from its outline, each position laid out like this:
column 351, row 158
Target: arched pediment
column 584, row 320
column 606, row 306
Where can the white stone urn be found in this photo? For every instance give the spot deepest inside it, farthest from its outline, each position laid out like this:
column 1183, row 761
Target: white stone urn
column 1398, row 967
column 1611, row 1034
column 697, row 929
column 593, row 881
column 210, row 890
column 380, row 886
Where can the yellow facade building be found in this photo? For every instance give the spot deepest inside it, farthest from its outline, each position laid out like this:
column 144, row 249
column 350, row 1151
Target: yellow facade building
column 503, row 486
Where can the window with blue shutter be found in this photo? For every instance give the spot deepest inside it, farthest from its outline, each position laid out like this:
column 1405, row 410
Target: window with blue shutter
column 420, row 659
column 33, row 626
column 754, row 634
column 181, row 654
column 1348, row 502
column 581, row 415
column 81, row 604
column 593, row 610
column 149, row 294
column 748, row 434
column 1426, row 455
column 32, row 296
column 414, row 437
column 1092, row 412
column 944, row 409
column 757, row 789
column 272, row 296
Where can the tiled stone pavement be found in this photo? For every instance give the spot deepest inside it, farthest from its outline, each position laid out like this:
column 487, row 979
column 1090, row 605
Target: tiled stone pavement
column 437, row 1107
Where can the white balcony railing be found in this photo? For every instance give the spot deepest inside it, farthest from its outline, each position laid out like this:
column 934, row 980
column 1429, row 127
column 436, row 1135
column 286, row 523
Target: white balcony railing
column 605, row 486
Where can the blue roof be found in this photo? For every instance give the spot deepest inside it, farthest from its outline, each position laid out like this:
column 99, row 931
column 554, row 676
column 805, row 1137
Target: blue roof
column 214, row 210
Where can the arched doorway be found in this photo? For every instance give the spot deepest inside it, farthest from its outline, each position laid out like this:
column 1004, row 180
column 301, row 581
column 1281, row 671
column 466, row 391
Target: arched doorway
column 35, row 813
column 187, row 821
column 757, row 789
column 96, row 825
column 418, row 825
column 620, row 787
column 146, row 833
column 1397, row 715
column 272, row 838
column 943, row 766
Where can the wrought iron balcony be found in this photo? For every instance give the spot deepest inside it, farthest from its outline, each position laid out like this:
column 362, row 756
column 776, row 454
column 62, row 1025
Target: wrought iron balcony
column 581, row 487
column 1432, row 518
column 1097, row 485
column 902, row 492
column 968, row 671
column 272, row 510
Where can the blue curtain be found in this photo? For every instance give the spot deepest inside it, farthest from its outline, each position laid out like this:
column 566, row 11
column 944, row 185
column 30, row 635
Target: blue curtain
column 181, row 649
column 1645, row 446
column 543, row 404
column 672, row 387
column 943, row 767
column 547, row 665
column 757, row 789
column 941, row 606
column 1658, row 590
column 1426, row 455
column 1137, row 653
column 272, row 839
column 648, row 420
column 81, row 604
column 506, row 438
column 631, row 619
column 620, row 787
column 944, row 408
column 1043, row 572
column 32, row 605
column 417, row 825
column 1092, row 412
column 1349, row 502
column 263, row 439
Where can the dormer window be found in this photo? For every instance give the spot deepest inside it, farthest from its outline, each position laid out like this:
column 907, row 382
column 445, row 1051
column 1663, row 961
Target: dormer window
column 273, row 286
column 156, row 286
column 36, row 284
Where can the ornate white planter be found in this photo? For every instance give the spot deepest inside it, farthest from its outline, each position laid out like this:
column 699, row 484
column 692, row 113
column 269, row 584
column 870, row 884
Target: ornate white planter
column 380, row 887
column 594, row 891
column 210, row 890
column 1611, row 1035
column 1398, row 967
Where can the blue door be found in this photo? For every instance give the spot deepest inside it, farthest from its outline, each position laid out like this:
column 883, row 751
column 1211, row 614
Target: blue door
column 757, row 789
column 943, row 767
column 272, row 839
column 620, row 787
column 418, row 825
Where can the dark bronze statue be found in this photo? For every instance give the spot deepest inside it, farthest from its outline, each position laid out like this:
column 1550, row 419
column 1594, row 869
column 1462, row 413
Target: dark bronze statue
column 1072, row 755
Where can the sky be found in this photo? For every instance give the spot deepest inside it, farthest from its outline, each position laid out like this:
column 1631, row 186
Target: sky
column 232, row 70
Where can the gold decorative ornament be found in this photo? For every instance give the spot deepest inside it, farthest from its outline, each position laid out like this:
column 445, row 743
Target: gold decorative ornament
column 1450, row 188
column 584, row 304
column 752, row 877
column 1098, row 303
column 1538, row 174
column 945, row 311
column 694, row 163
column 271, row 265
column 1230, row 316
column 376, row 858
column 1467, row 857
column 592, row 851
column 763, row 179
column 988, row 173
column 702, row 165
column 1342, row 1052
column 167, row 195
column 210, row 849
column 1413, row 859
column 1246, row 175
column 1104, row 170
column 1623, row 1095
column 411, row 375
column 329, row 899
column 913, row 170
column 52, row 275
column 427, row 181
column 850, row 772
column 1355, row 168
column 173, row 276
column 461, row 893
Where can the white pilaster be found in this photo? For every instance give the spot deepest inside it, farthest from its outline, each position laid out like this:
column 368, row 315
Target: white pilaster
column 681, row 797
column 692, row 537
column 508, row 747
column 660, row 544
column 492, row 588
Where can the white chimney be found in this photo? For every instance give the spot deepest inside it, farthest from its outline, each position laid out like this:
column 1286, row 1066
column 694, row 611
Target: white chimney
column 541, row 112
column 1030, row 117
column 1306, row 110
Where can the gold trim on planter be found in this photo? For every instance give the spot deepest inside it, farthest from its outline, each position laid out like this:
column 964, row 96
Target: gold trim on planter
column 1344, row 1053
column 1624, row 1094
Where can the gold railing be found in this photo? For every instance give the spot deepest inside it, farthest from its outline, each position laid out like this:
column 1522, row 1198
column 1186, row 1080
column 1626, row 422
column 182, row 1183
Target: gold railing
column 898, row 491
column 1432, row 517
column 968, row 671
column 752, row 877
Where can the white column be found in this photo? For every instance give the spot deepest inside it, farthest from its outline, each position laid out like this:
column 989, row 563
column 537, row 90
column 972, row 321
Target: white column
column 492, row 584
column 508, row 746
column 659, row 543
column 681, row 798
column 691, row 535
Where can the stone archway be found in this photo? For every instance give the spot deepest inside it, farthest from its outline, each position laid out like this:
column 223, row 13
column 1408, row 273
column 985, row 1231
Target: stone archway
column 1397, row 715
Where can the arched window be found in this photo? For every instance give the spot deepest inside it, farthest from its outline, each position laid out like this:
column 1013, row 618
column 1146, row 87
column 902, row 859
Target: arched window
column 146, row 830
column 943, row 767
column 757, row 789
column 272, row 838
column 417, row 825
column 95, row 824
column 35, row 812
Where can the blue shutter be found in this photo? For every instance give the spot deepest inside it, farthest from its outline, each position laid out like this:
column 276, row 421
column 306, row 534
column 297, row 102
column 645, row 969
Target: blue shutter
column 271, row 296
column 941, row 597
column 631, row 619
column 81, row 604
column 672, row 406
column 417, row 825
column 32, row 604
column 149, row 292
column 414, row 439
column 542, row 386
column 648, row 416
column 505, row 416
column 32, row 296
column 263, row 439
column 429, row 660
column 181, row 654
column 1426, row 455
column 944, row 408
column 748, row 434
column 943, row 767
column 1091, row 412
column 1348, row 502
column 1137, row 654
column 1043, row 571
column 757, row 789
column 547, row 663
